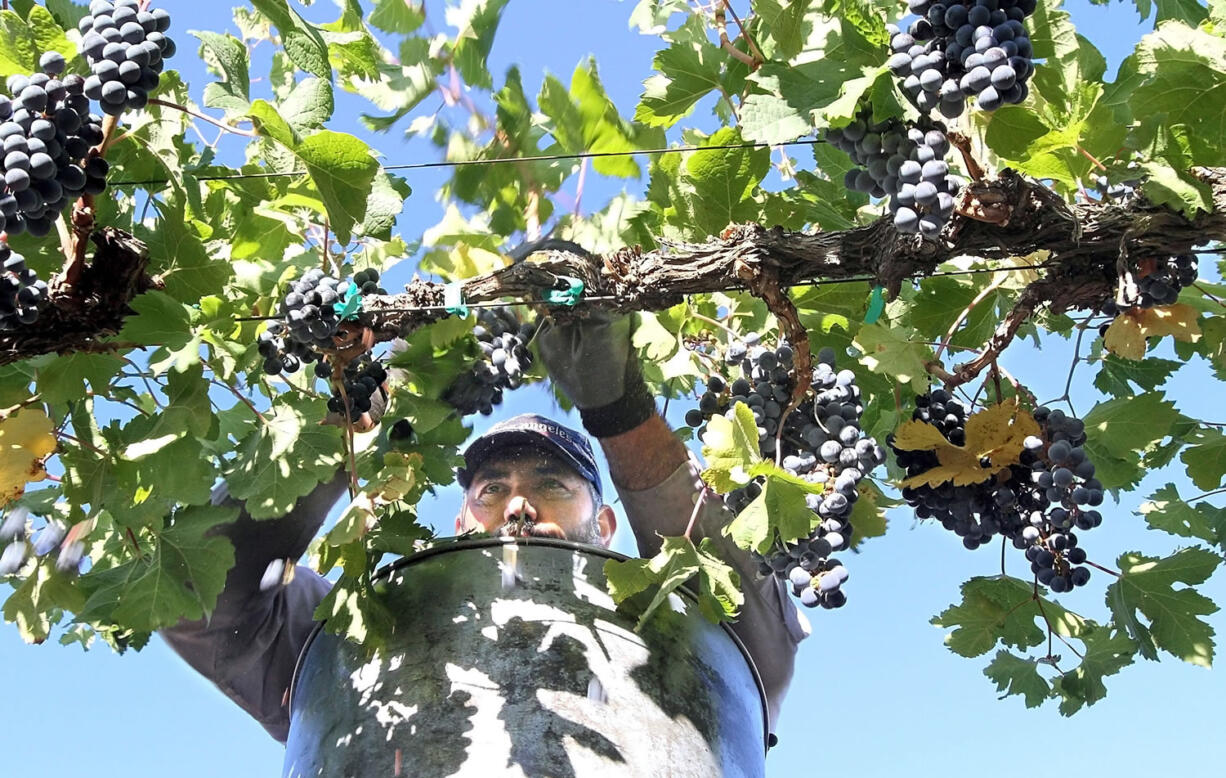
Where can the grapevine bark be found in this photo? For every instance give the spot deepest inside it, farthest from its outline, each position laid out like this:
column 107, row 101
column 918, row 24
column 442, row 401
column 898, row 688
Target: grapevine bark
column 1006, row 217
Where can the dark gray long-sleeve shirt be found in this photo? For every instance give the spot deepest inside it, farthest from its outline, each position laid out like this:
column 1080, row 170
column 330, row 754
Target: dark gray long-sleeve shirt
column 249, row 646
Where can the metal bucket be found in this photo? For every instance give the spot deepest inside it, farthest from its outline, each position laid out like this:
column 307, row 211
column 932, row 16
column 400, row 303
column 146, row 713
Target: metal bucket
column 512, row 661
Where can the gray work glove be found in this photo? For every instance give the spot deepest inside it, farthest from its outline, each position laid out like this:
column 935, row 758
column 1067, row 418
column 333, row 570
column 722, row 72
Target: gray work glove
column 592, row 361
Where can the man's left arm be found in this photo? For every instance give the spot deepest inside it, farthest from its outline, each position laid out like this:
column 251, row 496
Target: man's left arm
column 593, row 362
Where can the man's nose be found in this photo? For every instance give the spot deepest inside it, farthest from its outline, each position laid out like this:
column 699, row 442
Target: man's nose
column 518, row 508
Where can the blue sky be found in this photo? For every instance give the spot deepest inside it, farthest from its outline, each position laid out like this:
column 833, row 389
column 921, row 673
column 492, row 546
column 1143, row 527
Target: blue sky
column 876, row 693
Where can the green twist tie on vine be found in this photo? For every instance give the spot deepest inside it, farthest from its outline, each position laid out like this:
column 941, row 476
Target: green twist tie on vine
column 350, row 304
column 453, row 299
column 568, row 296
column 876, row 304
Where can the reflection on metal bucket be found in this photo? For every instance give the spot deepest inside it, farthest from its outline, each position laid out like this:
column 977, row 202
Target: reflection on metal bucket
column 539, row 678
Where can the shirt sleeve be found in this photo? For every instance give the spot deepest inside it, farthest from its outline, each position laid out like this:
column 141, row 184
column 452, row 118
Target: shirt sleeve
column 249, row 646
column 769, row 625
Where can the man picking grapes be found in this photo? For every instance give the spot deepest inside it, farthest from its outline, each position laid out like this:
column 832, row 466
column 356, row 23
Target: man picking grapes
column 526, row 475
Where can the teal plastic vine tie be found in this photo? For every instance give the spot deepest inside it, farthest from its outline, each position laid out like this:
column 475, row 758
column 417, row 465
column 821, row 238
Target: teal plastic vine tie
column 568, row 296
column 453, row 299
column 350, row 304
column 876, row 304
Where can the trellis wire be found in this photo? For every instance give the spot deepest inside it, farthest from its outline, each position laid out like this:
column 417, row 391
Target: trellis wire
column 501, row 161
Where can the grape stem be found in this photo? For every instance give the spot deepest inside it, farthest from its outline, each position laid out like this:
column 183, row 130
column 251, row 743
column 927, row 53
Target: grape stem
column 240, row 396
column 1190, row 499
column 696, row 315
column 83, row 213
column 1050, row 630
column 1091, row 157
column 758, row 59
column 953, row 328
column 1206, row 293
column 577, row 212
column 33, row 400
column 702, row 497
column 963, row 144
column 196, row 114
column 1106, row 570
column 82, row 443
column 1068, row 383
column 353, row 464
column 131, row 536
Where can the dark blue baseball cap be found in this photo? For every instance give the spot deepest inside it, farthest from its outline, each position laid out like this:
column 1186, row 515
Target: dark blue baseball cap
column 531, row 429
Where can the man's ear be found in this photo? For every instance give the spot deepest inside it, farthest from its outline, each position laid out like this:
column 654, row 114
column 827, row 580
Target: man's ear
column 607, row 520
column 459, row 517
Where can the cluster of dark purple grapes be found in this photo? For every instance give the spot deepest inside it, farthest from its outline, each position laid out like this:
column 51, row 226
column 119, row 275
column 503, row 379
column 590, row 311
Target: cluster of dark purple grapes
column 21, row 291
column 126, row 48
column 367, row 281
column 822, row 443
column 958, row 50
column 46, row 129
column 907, row 165
column 308, row 309
column 503, row 339
column 282, row 353
column 309, row 319
column 1035, row 503
column 361, row 381
column 48, row 539
column 1161, row 286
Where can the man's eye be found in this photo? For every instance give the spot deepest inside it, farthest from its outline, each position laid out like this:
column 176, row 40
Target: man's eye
column 491, row 488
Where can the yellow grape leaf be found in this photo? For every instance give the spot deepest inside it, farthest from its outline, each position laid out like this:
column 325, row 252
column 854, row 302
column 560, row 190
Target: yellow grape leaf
column 1126, row 335
column 1124, row 338
column 996, row 433
column 26, row 438
column 1178, row 321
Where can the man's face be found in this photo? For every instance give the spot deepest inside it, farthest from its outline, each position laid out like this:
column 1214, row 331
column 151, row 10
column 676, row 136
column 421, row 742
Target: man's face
column 524, row 482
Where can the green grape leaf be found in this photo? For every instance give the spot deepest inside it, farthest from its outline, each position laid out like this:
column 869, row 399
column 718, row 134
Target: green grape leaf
column 63, row 378
column 1165, row 510
column 677, row 562
column 1147, row 586
column 477, row 21
column 721, row 184
column 687, row 71
column 1116, row 376
column 343, row 170
column 1016, row 675
column 227, row 57
column 398, row 16
column 719, row 587
column 730, row 449
column 309, row 105
column 36, row 603
column 180, row 577
column 786, row 27
column 287, row 457
column 1106, row 653
column 999, row 609
column 868, row 514
column 160, row 321
column 1206, row 460
column 895, row 352
column 302, row 42
column 779, row 511
column 1124, row 427
column 1185, row 72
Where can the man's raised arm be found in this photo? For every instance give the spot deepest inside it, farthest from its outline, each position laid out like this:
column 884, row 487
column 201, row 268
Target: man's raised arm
column 659, row 484
column 249, row 645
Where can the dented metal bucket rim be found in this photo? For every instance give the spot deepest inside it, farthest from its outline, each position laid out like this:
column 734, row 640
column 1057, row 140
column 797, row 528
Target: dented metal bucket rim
column 449, row 545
